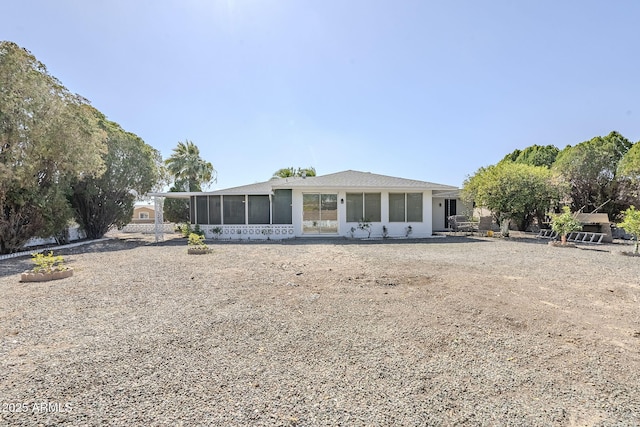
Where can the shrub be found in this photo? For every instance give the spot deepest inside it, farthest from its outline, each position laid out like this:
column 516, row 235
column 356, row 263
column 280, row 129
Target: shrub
column 47, row 263
column 196, row 240
column 565, row 223
column 631, row 224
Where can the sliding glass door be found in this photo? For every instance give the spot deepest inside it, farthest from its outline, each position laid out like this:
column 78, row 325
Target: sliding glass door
column 319, row 213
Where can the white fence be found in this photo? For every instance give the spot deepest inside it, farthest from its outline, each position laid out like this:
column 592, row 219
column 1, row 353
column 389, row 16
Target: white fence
column 147, row 228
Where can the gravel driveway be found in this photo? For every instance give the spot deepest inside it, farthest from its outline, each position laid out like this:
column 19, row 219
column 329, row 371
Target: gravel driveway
column 450, row 331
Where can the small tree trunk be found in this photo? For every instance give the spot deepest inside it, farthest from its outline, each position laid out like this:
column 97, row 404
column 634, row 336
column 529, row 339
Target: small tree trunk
column 563, row 239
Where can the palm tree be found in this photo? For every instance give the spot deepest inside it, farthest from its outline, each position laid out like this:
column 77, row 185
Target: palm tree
column 289, row 172
column 186, row 165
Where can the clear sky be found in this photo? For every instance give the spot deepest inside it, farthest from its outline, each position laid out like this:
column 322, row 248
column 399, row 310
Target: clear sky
column 416, row 89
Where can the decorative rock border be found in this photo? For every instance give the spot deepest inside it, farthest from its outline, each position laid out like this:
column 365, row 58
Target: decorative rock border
column 30, row 276
column 198, row 251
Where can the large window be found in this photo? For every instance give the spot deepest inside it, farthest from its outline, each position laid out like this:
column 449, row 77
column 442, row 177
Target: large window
column 363, row 206
column 414, row 207
column 319, row 213
column 233, row 209
column 258, row 209
column 405, row 207
column 202, row 210
column 215, row 213
column 282, row 207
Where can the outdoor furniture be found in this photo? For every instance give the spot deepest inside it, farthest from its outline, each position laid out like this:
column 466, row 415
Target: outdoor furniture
column 461, row 223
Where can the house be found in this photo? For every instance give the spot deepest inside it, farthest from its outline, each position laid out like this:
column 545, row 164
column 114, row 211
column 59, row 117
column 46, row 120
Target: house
column 323, row 206
column 143, row 213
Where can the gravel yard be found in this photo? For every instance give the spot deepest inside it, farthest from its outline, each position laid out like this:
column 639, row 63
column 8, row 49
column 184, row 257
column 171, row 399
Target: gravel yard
column 448, row 331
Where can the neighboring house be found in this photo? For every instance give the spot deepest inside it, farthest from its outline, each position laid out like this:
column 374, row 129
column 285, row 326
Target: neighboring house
column 326, row 205
column 143, row 214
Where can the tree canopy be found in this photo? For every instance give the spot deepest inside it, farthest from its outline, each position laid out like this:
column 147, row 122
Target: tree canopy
column 513, row 191
column 535, row 155
column 291, row 171
column 48, row 136
column 189, row 170
column 590, row 170
column 56, row 149
column 631, row 224
column 131, row 169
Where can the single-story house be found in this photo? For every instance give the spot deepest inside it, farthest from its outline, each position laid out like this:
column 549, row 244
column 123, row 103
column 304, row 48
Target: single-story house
column 327, row 205
column 143, row 213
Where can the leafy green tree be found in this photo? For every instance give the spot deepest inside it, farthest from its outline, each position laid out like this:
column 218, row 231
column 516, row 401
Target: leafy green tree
column 188, row 168
column 292, row 172
column 629, row 165
column 589, row 169
column 513, row 191
column 176, row 210
column 629, row 175
column 101, row 201
column 535, row 155
column 48, row 137
column 565, row 223
column 631, row 224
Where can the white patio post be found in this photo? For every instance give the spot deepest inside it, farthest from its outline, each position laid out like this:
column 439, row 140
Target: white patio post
column 158, row 203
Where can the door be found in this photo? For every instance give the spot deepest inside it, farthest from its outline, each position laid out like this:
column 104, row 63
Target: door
column 319, row 213
column 449, row 210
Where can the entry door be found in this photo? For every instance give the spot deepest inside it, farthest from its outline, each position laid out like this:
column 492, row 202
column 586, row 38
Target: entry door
column 449, row 210
column 319, row 213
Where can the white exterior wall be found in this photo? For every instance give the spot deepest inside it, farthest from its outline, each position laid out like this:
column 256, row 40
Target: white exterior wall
column 438, row 214
column 394, row 229
column 277, row 231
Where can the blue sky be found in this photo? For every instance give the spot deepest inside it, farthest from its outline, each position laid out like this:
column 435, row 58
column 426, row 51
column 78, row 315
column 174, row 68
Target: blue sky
column 416, row 89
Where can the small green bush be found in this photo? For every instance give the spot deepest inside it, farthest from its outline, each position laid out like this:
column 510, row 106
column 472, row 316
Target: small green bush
column 631, row 224
column 185, row 229
column 47, row 263
column 196, row 240
column 565, row 223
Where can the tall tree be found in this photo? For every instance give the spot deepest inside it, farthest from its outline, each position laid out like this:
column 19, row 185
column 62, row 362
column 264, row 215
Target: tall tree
column 535, row 155
column 189, row 172
column 513, row 191
column 188, row 168
column 48, row 136
column 629, row 175
column 291, row 172
column 132, row 169
column 590, row 169
column 176, row 210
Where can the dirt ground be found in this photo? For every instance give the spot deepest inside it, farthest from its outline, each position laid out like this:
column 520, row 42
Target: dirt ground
column 444, row 331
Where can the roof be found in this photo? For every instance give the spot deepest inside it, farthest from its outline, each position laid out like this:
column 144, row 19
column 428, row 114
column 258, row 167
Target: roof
column 357, row 179
column 341, row 180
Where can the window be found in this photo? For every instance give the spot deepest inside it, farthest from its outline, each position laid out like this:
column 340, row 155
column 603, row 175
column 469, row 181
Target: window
column 233, row 209
column 192, row 209
column 259, row 210
column 202, row 210
column 414, row 207
column 363, row 206
column 215, row 215
column 282, row 207
column 143, row 215
column 372, row 205
column 405, row 207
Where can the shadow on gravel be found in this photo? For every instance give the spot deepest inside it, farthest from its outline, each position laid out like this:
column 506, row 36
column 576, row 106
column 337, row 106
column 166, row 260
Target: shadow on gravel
column 20, row 264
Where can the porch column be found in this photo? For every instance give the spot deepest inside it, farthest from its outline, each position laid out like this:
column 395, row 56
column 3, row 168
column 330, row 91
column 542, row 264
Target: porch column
column 158, row 203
